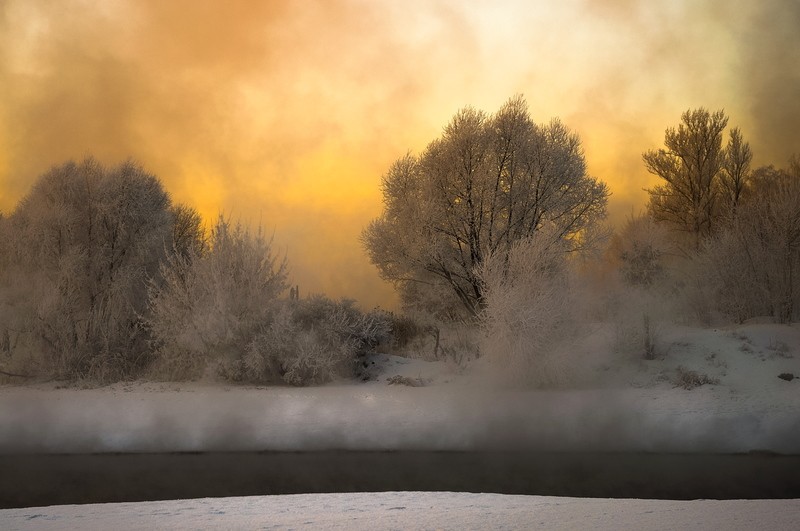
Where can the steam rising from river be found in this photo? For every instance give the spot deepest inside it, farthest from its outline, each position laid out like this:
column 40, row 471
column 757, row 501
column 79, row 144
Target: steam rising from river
column 383, row 418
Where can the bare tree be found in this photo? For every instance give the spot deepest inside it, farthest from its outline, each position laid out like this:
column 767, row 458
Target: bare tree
column 488, row 182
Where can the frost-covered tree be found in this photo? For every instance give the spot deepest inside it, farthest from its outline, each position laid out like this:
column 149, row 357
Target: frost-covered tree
column 7, row 310
column 527, row 307
column 222, row 310
column 775, row 223
column 188, row 236
column 642, row 248
column 754, row 265
column 486, row 183
column 83, row 244
column 735, row 172
column 699, row 174
column 212, row 303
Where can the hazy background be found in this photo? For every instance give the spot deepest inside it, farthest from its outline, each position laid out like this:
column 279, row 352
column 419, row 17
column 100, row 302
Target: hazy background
column 288, row 113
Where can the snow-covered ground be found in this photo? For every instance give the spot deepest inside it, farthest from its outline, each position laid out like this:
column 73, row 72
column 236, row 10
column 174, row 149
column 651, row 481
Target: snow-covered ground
column 612, row 403
column 412, row 510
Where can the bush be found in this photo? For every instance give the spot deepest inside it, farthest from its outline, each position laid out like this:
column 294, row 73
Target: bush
column 527, row 309
column 298, row 342
column 688, row 379
column 404, row 330
column 310, row 342
column 210, row 306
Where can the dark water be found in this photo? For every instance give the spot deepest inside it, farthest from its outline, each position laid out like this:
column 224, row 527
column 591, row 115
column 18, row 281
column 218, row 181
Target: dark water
column 37, row 480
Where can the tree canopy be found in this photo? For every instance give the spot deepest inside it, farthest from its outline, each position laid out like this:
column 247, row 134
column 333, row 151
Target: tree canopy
column 703, row 180
column 487, row 182
column 80, row 249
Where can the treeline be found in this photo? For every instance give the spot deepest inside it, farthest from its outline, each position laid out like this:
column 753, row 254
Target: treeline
column 103, row 277
column 497, row 224
column 724, row 234
column 494, row 237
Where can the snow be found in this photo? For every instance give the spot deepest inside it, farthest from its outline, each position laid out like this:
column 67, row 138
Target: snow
column 615, row 402
column 411, row 510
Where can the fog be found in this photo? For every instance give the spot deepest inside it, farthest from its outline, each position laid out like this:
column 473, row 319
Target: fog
column 288, row 113
column 378, row 417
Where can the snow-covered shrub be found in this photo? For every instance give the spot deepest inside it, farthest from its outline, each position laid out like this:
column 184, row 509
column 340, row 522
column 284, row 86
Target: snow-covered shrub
column 527, row 309
column 295, row 352
column 375, row 329
column 309, row 342
column 422, row 335
column 404, row 330
column 688, row 379
column 211, row 306
column 343, row 319
column 318, row 357
column 399, row 379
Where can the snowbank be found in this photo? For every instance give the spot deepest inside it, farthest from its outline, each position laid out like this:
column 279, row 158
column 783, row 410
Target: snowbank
column 411, row 510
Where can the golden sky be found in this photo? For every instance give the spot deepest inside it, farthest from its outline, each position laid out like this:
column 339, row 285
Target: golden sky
column 288, row 112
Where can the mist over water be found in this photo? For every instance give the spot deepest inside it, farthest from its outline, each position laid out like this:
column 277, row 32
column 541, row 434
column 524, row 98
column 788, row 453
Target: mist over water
column 378, row 418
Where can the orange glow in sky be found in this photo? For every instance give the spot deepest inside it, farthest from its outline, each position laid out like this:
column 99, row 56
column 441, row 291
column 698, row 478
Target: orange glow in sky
column 287, row 113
